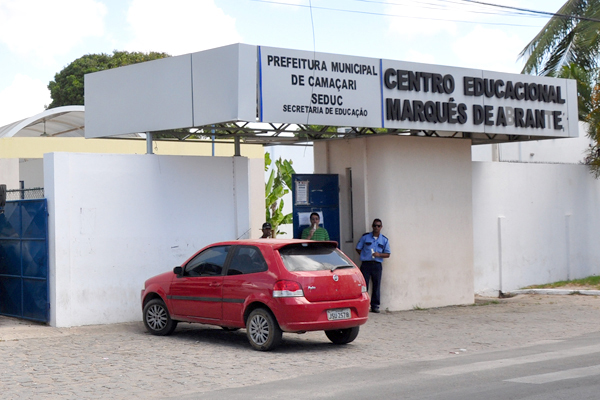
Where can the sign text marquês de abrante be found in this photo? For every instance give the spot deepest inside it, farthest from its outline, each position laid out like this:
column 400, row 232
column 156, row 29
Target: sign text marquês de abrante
column 457, row 113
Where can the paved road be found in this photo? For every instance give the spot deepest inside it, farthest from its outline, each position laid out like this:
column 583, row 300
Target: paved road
column 123, row 361
column 560, row 369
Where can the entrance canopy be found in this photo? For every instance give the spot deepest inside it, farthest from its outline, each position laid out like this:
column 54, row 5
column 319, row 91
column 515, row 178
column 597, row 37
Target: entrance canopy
column 55, row 122
column 274, row 95
column 65, row 121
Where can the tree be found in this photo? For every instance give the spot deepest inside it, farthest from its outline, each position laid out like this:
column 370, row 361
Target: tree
column 278, row 185
column 568, row 46
column 571, row 36
column 67, row 87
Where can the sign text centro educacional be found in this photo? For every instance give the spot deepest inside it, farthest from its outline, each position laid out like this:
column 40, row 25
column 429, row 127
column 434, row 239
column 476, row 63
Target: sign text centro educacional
column 337, row 90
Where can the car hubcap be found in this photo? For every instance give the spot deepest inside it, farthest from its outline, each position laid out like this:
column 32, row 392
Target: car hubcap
column 259, row 329
column 156, row 317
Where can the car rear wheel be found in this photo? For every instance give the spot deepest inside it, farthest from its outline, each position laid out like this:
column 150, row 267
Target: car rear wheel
column 263, row 330
column 157, row 318
column 342, row 336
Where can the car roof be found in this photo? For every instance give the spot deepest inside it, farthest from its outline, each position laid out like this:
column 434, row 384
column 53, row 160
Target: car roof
column 273, row 243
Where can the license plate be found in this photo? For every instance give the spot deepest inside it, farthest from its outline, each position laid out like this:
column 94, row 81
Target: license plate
column 340, row 313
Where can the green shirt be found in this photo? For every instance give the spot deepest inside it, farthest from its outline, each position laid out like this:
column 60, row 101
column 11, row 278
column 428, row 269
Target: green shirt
column 320, row 234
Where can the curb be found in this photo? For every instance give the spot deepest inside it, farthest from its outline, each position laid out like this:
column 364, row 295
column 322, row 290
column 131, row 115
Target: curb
column 557, row 291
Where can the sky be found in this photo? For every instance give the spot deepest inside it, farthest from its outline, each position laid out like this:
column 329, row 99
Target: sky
column 38, row 38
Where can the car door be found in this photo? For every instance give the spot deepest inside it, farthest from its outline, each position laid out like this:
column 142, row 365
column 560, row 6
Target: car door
column 198, row 292
column 246, row 276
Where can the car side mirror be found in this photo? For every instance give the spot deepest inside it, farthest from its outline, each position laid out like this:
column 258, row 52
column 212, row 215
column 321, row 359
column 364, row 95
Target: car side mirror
column 178, row 271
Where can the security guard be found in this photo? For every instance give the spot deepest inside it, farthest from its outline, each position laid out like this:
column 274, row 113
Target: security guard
column 373, row 247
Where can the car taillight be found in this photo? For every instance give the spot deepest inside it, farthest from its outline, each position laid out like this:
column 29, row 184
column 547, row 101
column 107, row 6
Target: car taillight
column 363, row 289
column 287, row 289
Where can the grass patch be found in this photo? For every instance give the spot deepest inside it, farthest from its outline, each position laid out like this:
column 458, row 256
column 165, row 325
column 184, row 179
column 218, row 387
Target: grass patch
column 591, row 282
column 485, row 303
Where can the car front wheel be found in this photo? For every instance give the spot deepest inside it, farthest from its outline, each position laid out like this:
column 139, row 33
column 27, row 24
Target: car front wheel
column 342, row 336
column 157, row 318
column 263, row 330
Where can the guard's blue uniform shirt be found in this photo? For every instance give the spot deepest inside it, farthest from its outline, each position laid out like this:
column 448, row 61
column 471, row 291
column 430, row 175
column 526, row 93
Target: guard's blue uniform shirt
column 368, row 242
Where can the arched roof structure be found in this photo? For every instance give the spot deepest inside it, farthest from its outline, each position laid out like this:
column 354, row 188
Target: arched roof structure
column 67, row 121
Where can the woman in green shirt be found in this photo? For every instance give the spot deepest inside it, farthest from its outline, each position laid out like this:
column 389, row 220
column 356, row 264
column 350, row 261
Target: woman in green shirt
column 314, row 232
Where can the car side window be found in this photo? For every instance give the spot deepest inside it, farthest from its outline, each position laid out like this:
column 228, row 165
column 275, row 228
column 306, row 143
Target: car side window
column 208, row 263
column 247, row 260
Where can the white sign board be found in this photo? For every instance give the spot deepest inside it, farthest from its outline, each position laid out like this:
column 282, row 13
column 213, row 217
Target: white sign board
column 301, row 193
column 328, row 89
column 199, row 89
column 315, row 88
column 302, row 87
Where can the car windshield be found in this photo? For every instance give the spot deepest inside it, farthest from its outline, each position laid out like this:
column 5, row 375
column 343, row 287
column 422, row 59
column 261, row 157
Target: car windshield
column 313, row 257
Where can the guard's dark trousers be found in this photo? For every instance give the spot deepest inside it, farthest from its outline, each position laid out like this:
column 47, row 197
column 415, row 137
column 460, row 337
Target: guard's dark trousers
column 371, row 270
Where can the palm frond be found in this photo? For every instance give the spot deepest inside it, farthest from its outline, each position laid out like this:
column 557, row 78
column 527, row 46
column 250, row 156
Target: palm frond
column 557, row 43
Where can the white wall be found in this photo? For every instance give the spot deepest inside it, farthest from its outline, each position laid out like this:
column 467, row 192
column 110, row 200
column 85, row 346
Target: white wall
column 533, row 224
column 31, row 172
column 9, row 173
column 421, row 189
column 302, row 156
column 539, row 222
column 116, row 220
column 565, row 151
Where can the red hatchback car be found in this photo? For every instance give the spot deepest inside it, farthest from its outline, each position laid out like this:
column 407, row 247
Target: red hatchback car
column 267, row 286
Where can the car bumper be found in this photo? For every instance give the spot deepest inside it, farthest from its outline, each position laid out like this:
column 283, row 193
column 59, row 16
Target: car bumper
column 296, row 314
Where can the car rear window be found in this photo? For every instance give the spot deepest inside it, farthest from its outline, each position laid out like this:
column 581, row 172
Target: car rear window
column 313, row 257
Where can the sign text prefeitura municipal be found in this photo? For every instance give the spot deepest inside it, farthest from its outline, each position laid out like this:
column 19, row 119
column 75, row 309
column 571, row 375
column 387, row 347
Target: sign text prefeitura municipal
column 328, row 89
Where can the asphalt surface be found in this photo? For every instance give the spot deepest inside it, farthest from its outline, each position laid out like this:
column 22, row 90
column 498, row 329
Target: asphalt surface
column 123, row 361
column 556, row 369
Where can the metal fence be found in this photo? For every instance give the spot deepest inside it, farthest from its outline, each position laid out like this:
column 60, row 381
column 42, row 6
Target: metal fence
column 25, row 194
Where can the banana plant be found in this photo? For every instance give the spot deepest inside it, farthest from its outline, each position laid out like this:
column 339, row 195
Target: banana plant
column 278, row 185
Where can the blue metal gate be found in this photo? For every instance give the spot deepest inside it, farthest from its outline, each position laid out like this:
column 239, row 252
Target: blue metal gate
column 24, row 260
column 316, row 193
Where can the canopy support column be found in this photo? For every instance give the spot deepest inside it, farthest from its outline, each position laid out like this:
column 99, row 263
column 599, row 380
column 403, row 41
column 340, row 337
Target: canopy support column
column 237, row 151
column 149, row 143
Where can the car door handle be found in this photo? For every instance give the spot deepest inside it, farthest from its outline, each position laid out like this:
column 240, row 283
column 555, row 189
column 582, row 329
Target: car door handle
column 214, row 284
